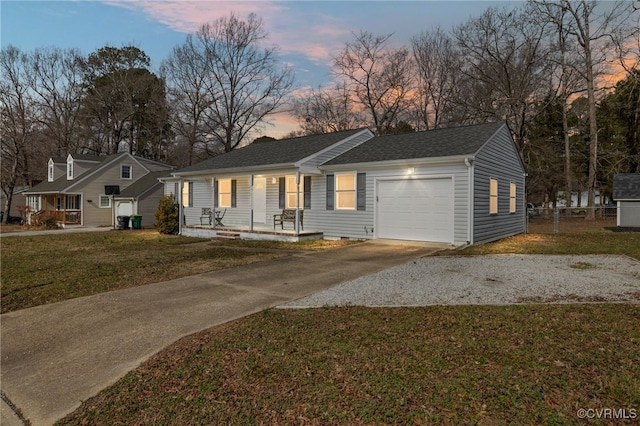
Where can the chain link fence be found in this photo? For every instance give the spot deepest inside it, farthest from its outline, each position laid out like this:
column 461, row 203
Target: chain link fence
column 571, row 219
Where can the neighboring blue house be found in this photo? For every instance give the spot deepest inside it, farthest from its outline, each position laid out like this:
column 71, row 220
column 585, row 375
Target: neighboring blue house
column 462, row 185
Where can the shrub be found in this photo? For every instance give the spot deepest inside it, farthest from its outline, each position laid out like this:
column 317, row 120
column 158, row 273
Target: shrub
column 167, row 216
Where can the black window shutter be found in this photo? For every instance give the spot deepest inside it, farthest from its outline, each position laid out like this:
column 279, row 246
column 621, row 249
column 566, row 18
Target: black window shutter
column 361, row 188
column 307, row 192
column 281, row 193
column 176, row 192
column 215, row 195
column 234, row 186
column 190, row 194
column 330, row 191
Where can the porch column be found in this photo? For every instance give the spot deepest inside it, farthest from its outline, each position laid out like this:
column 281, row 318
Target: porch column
column 251, row 202
column 180, row 208
column 64, row 210
column 297, row 222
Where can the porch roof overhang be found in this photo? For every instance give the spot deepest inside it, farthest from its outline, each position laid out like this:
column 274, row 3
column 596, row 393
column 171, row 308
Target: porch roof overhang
column 405, row 162
column 243, row 171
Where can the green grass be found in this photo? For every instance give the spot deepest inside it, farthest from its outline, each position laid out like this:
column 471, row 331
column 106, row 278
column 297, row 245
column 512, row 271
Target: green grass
column 44, row 269
column 484, row 365
column 524, row 365
column 49, row 268
column 602, row 242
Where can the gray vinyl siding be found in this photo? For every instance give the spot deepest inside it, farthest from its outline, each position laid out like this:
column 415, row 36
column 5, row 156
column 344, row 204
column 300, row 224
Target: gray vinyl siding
column 336, row 150
column 93, row 187
column 147, row 206
column 498, row 159
column 352, row 223
column 202, row 197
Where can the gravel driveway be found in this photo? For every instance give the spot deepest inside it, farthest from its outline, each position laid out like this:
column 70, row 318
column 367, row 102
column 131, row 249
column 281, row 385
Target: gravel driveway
column 493, row 280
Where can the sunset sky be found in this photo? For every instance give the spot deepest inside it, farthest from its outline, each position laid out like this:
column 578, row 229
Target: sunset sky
column 307, row 33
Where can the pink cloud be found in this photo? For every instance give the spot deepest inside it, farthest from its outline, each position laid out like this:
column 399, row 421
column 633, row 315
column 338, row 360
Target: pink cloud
column 288, row 29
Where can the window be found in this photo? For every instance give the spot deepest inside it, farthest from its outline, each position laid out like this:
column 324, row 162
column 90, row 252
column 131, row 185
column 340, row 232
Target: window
column 125, row 171
column 346, row 191
column 512, row 198
column 493, row 196
column 224, row 193
column 72, row 202
column 50, row 174
column 69, row 169
column 291, row 194
column 33, row 201
column 105, row 201
column 187, row 194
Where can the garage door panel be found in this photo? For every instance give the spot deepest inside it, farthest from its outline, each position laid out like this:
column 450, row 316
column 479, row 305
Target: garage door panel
column 417, row 209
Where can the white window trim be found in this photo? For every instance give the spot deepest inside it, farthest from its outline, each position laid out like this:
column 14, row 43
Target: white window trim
column 50, row 172
column 221, row 193
column 100, row 198
column 493, row 198
column 512, row 197
column 122, row 166
column 354, row 191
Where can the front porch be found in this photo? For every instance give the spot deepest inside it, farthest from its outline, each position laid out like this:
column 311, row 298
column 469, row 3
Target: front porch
column 257, row 233
column 62, row 217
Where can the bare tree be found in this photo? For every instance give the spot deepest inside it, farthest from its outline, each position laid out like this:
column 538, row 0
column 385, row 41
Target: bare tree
column 327, row 110
column 56, row 77
column 594, row 29
column 381, row 78
column 17, row 117
column 245, row 81
column 438, row 62
column 187, row 76
column 506, row 69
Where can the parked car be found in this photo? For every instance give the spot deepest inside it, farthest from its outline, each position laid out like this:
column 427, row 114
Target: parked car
column 532, row 210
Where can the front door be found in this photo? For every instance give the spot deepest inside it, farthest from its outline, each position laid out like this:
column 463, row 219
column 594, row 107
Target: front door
column 260, row 200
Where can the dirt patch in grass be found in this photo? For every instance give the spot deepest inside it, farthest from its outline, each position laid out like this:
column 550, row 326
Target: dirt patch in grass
column 435, row 365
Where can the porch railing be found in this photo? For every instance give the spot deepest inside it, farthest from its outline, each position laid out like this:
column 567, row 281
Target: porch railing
column 70, row 217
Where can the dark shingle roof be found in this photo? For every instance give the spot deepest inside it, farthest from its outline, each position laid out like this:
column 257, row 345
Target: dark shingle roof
column 626, row 186
column 284, row 151
column 453, row 141
column 143, row 184
column 62, row 183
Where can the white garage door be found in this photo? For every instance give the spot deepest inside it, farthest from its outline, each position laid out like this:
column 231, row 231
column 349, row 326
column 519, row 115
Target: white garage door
column 125, row 208
column 415, row 209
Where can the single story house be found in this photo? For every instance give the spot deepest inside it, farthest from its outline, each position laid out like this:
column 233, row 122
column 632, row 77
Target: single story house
column 462, row 185
column 89, row 190
column 626, row 194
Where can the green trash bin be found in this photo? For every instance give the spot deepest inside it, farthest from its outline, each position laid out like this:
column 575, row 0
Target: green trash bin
column 136, row 221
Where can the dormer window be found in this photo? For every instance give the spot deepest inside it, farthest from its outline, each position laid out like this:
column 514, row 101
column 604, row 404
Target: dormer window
column 50, row 171
column 125, row 171
column 69, row 168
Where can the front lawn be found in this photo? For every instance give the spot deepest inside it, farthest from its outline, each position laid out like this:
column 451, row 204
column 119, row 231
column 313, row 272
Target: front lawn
column 486, row 365
column 597, row 241
column 50, row 268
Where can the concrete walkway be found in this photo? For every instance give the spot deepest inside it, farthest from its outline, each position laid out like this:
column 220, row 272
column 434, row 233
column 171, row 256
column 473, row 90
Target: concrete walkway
column 55, row 356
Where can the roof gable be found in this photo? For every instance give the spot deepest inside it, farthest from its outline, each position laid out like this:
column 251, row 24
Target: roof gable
column 61, row 184
column 277, row 152
column 454, row 141
column 626, row 186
